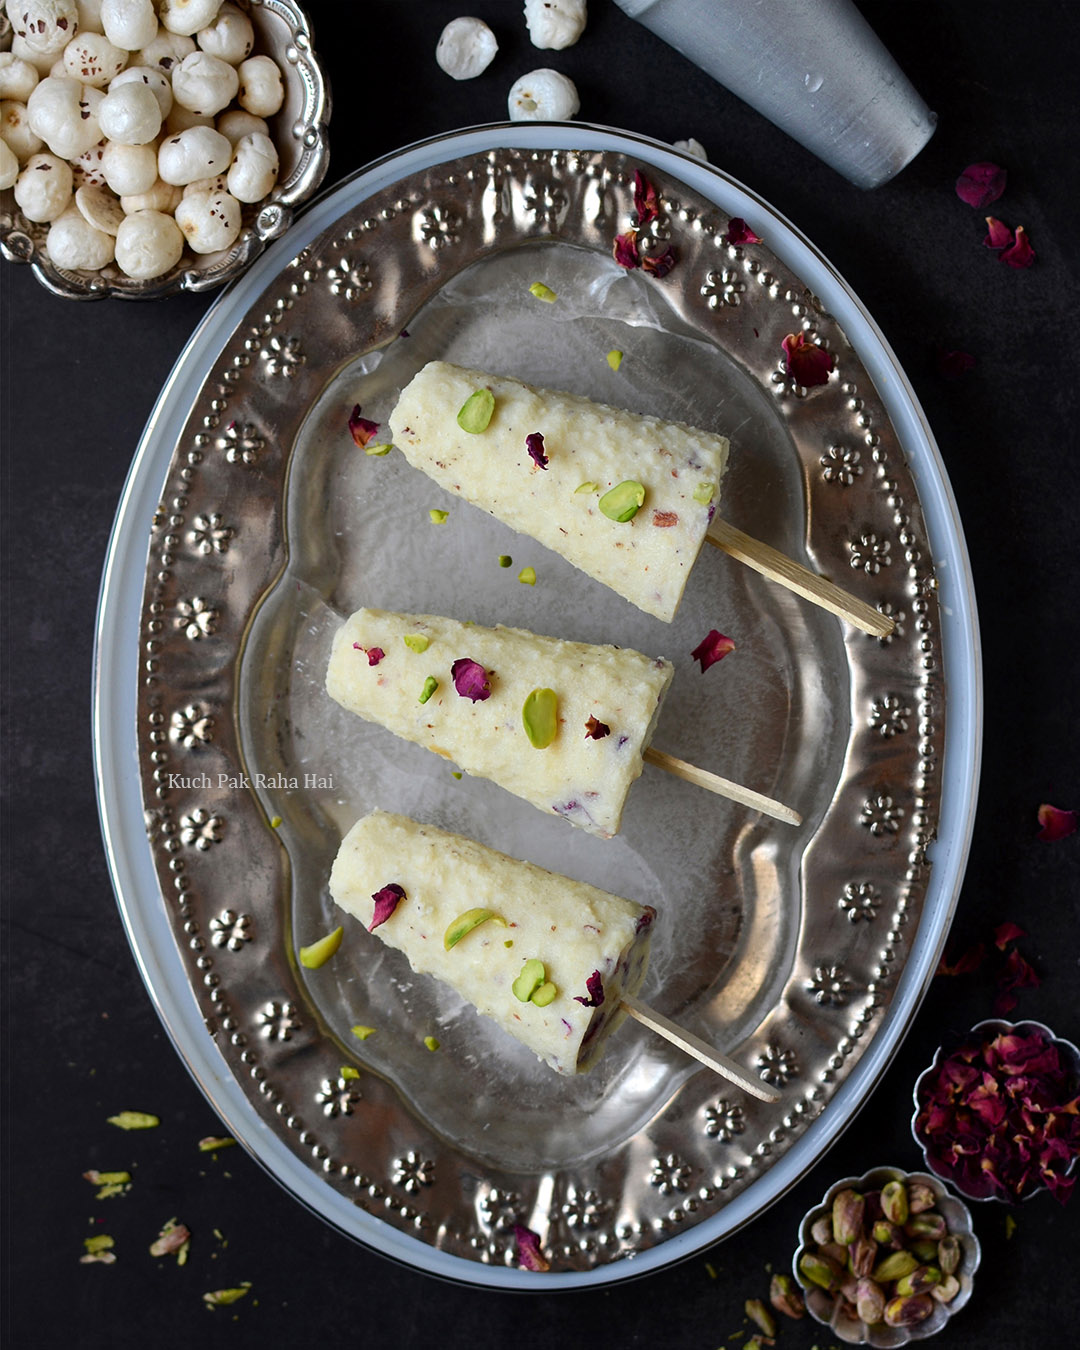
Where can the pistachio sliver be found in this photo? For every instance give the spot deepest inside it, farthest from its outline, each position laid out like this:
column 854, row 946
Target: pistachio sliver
column 623, row 501
column 542, row 292
column 544, row 995
column 477, row 411
column 430, row 685
column 383, row 448
column 465, row 923
column 527, row 576
column 540, row 717
column 529, row 980
column 614, row 358
column 320, row 952
column 588, row 486
column 437, row 517
column 703, row 493
column 416, row 642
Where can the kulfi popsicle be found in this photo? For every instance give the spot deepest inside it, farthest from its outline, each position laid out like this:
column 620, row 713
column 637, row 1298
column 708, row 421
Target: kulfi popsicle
column 547, row 958
column 628, row 499
column 565, row 725
column 575, row 754
column 589, row 449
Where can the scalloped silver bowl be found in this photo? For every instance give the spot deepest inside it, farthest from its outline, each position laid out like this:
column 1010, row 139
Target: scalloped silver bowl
column 299, row 130
column 854, row 1332
column 992, row 1026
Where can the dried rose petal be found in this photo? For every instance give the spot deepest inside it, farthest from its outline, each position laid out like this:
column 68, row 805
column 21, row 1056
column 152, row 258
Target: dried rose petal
column 362, row 428
column 980, row 184
column 971, row 960
column 386, row 901
column 659, row 266
column 998, row 234
column 625, row 251
column 529, row 1255
column 712, row 648
column 665, row 519
column 953, row 364
column 1006, row 933
column 374, row 655
column 738, row 232
column 595, row 985
column 1021, row 254
column 470, row 679
column 596, row 730
column 171, row 1238
column 645, row 201
column 534, row 443
column 807, row 363
column 1056, row 823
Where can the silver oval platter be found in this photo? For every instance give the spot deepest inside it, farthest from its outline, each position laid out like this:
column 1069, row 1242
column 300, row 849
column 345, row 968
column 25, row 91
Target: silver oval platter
column 803, row 953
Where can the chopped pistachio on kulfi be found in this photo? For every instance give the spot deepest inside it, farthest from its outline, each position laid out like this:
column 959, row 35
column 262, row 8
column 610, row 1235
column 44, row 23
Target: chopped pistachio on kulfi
column 645, row 555
column 580, row 949
column 509, row 705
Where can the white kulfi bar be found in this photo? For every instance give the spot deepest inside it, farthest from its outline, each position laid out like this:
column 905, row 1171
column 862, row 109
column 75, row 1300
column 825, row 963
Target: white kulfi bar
column 578, row 776
column 593, row 947
column 647, row 559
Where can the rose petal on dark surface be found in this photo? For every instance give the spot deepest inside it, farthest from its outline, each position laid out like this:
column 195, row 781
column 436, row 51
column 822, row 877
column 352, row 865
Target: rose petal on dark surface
column 952, row 364
column 625, row 251
column 807, row 363
column 981, row 183
column 362, row 429
column 660, row 265
column 970, row 960
column 713, row 647
column 529, row 1255
column 1005, row 933
column 595, row 985
column 738, row 232
column 998, row 234
column 596, row 730
column 1020, row 254
column 386, row 901
column 470, row 679
column 534, row 443
column 1056, row 823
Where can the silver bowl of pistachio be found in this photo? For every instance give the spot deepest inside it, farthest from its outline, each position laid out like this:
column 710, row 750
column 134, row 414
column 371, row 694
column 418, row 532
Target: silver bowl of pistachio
column 236, row 128
column 886, row 1258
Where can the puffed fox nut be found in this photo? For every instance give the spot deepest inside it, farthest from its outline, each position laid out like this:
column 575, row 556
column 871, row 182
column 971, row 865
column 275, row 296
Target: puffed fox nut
column 17, row 77
column 130, row 114
column 555, row 24
column 100, row 208
column 166, row 51
column 129, row 169
column 218, row 183
column 235, row 124
column 43, row 190
column 210, row 221
column 203, row 84
column 254, row 169
column 188, row 16
column 148, row 244
column 61, row 111
column 155, row 80
column 199, row 152
column 46, row 26
column 15, row 130
column 543, row 96
column 230, row 37
column 9, row 165
column 129, row 24
column 73, row 243
column 161, row 196
column 181, row 119
column 92, row 59
column 466, row 48
column 261, row 89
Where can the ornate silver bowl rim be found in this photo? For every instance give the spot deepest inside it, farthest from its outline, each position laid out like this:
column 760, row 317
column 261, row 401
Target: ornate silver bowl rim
column 300, row 134
column 956, row 1215
column 984, row 1031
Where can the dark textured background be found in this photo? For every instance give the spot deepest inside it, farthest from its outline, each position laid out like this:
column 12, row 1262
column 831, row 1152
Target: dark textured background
column 81, row 1040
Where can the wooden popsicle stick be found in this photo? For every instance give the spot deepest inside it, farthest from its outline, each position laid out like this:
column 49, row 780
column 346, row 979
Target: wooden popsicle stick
column 723, row 787
column 699, row 1049
column 778, row 567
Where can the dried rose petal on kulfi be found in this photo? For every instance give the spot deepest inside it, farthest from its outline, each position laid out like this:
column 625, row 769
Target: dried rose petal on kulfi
column 643, row 547
column 562, row 724
column 547, row 958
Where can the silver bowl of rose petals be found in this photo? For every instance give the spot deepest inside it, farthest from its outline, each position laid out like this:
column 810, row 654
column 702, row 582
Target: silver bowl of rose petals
column 886, row 1258
column 154, row 146
column 996, row 1113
